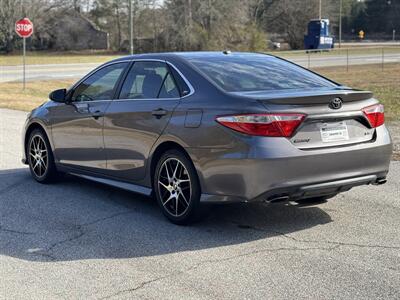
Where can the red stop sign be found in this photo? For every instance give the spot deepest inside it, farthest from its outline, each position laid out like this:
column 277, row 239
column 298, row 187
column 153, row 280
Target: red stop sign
column 24, row 27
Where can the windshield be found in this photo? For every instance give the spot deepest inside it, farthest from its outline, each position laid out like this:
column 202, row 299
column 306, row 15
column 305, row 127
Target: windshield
column 255, row 72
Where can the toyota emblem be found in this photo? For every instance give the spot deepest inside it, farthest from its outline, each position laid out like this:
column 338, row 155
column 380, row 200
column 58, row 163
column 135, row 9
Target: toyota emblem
column 336, row 103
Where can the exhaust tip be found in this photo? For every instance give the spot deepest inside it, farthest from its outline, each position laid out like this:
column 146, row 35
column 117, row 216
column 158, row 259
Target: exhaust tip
column 278, row 198
column 380, row 181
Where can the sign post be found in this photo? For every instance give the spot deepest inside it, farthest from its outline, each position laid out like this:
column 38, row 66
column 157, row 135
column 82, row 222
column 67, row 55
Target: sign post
column 24, row 28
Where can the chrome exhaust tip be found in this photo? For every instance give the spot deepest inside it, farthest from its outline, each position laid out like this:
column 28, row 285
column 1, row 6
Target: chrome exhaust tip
column 380, row 181
column 275, row 199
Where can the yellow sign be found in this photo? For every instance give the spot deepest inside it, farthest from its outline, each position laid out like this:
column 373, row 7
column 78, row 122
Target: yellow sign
column 361, row 34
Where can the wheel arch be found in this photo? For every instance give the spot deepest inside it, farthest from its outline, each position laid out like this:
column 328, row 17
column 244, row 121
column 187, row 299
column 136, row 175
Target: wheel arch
column 162, row 148
column 31, row 127
column 165, row 146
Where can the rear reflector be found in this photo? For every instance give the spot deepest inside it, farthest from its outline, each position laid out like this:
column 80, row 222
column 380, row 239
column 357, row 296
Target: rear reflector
column 274, row 125
column 375, row 115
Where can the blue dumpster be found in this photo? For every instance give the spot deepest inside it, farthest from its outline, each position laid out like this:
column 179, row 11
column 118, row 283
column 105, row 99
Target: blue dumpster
column 318, row 35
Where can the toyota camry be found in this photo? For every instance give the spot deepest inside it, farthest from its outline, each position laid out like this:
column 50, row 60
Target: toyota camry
column 193, row 128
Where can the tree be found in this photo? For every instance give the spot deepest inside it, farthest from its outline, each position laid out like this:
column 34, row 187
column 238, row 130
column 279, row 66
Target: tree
column 164, row 25
column 382, row 15
column 212, row 24
column 112, row 17
column 8, row 16
column 289, row 17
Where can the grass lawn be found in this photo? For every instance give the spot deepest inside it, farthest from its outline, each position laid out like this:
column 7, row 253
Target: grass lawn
column 12, row 96
column 385, row 85
column 37, row 57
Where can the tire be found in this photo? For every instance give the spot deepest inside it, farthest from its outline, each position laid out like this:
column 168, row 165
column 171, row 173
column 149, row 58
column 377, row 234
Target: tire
column 40, row 158
column 177, row 189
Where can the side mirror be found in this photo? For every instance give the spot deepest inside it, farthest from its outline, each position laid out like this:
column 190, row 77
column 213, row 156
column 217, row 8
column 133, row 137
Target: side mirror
column 58, row 95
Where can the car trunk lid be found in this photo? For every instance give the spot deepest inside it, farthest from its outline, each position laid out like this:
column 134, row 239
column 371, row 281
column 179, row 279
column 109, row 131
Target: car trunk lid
column 325, row 125
column 307, row 97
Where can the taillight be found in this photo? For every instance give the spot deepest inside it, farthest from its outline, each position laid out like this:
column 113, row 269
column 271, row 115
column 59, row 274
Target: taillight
column 375, row 115
column 275, row 125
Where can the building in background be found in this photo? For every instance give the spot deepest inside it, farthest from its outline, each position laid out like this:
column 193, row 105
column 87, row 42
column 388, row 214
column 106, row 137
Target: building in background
column 69, row 30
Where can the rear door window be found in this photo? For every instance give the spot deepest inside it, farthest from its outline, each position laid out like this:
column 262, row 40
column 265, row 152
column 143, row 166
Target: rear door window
column 169, row 88
column 184, row 89
column 149, row 80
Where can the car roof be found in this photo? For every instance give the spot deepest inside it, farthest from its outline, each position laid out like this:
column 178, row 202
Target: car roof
column 188, row 55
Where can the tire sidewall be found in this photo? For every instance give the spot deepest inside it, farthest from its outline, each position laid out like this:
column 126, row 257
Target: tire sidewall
column 194, row 203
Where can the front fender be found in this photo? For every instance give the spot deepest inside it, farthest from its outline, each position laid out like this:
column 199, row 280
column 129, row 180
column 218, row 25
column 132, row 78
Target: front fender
column 38, row 118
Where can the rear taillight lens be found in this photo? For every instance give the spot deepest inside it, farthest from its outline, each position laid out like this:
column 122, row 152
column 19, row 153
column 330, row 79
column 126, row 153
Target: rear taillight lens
column 275, row 125
column 375, row 115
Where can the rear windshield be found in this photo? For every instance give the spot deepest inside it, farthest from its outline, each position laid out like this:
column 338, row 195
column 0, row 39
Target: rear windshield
column 256, row 72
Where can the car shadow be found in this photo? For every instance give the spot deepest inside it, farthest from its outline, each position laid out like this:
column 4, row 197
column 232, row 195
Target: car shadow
column 75, row 219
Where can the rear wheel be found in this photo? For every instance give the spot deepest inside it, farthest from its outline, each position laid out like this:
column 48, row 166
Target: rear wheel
column 40, row 157
column 177, row 188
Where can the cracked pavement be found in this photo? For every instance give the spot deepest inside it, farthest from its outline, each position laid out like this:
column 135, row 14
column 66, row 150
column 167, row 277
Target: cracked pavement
column 78, row 239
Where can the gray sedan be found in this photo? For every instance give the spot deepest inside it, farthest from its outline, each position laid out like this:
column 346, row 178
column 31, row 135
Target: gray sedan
column 193, row 128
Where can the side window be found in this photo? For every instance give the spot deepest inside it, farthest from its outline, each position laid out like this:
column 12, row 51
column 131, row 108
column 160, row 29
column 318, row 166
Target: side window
column 149, row 80
column 100, row 85
column 182, row 86
column 169, row 89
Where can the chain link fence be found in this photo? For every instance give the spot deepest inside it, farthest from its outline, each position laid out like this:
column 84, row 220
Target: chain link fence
column 344, row 57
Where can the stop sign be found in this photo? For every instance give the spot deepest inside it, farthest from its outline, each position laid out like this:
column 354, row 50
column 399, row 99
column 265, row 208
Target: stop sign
column 24, row 27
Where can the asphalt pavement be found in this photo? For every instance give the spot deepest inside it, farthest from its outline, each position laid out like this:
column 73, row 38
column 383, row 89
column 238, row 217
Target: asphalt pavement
column 63, row 71
column 80, row 240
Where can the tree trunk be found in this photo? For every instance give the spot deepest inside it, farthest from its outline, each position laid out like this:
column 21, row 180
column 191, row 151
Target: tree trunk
column 118, row 17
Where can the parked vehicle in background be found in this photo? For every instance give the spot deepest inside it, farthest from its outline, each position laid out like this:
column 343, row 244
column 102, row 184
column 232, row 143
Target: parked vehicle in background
column 210, row 127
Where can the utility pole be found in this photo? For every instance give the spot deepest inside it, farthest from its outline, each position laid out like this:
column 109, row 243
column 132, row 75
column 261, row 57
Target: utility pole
column 190, row 23
column 320, row 9
column 340, row 23
column 130, row 28
column 23, row 51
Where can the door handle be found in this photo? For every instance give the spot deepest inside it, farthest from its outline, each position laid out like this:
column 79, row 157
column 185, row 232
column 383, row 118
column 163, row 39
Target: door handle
column 82, row 108
column 158, row 113
column 97, row 114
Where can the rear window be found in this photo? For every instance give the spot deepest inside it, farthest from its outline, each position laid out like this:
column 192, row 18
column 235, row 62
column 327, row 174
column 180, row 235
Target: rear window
column 241, row 73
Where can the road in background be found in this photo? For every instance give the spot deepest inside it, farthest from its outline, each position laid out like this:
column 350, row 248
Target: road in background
column 78, row 239
column 46, row 72
column 366, row 44
column 312, row 60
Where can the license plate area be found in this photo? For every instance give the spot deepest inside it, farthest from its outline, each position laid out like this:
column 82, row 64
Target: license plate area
column 334, row 132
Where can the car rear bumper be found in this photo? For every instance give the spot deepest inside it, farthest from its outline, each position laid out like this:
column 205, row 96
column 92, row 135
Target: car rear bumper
column 300, row 192
column 320, row 189
column 275, row 170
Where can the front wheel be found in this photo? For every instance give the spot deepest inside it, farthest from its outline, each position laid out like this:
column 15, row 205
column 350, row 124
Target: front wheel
column 177, row 188
column 40, row 157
